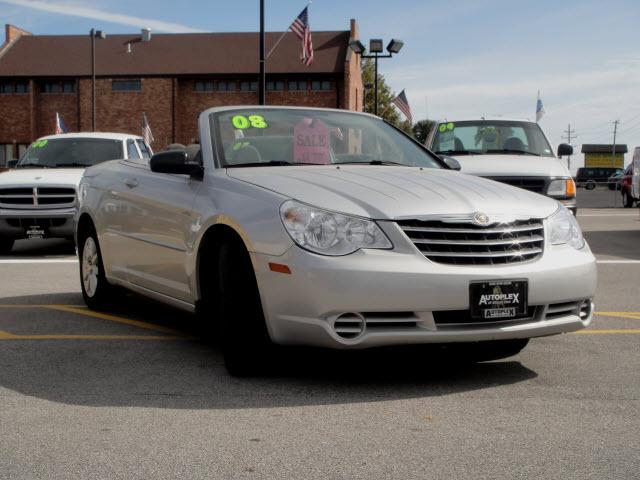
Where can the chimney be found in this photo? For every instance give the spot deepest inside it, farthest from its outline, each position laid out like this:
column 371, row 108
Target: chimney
column 12, row 33
column 146, row 35
column 355, row 33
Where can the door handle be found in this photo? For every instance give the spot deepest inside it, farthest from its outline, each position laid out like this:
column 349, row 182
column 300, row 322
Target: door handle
column 131, row 182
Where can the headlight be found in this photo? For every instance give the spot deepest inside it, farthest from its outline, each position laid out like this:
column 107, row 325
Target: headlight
column 564, row 228
column 564, row 187
column 330, row 233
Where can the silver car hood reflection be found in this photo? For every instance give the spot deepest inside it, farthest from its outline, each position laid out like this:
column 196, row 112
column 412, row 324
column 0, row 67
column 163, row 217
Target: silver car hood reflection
column 391, row 193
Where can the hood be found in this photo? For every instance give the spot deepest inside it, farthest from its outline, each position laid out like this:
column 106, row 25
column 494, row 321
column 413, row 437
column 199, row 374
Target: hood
column 512, row 166
column 392, row 193
column 33, row 177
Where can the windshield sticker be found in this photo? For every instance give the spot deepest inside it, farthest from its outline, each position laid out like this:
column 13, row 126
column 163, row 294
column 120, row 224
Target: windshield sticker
column 240, row 122
column 311, row 142
column 239, row 145
column 450, row 126
column 39, row 143
column 442, row 128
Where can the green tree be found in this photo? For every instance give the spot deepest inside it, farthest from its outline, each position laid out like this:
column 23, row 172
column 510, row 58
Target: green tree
column 422, row 128
column 386, row 108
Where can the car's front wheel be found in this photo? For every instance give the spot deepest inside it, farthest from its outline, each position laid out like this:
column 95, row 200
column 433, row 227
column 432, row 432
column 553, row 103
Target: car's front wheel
column 6, row 244
column 96, row 290
column 245, row 340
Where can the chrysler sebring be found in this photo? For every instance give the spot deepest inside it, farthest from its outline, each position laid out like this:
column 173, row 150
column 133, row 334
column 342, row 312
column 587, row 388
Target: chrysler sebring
column 300, row 226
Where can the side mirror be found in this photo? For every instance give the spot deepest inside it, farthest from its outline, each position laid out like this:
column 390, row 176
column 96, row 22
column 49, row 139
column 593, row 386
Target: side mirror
column 12, row 163
column 564, row 149
column 176, row 162
column 451, row 162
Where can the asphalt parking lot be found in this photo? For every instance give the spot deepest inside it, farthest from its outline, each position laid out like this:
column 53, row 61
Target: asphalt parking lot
column 136, row 393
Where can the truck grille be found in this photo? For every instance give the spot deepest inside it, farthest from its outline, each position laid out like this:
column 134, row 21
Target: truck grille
column 533, row 184
column 468, row 244
column 37, row 197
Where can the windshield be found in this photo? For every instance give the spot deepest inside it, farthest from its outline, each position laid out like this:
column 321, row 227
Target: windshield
column 273, row 137
column 70, row 152
column 495, row 137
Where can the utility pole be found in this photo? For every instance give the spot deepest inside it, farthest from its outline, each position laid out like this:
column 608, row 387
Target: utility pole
column 613, row 153
column 570, row 134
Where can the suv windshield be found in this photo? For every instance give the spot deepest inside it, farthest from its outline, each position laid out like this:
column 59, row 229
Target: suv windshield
column 275, row 137
column 70, row 152
column 494, row 137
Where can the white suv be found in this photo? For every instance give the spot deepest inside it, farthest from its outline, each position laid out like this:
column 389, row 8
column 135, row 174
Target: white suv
column 515, row 152
column 38, row 197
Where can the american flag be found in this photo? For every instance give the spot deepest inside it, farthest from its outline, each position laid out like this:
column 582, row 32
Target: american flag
column 60, row 126
column 146, row 130
column 301, row 28
column 403, row 104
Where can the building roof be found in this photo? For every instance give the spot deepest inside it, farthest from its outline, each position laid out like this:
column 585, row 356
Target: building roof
column 603, row 148
column 169, row 54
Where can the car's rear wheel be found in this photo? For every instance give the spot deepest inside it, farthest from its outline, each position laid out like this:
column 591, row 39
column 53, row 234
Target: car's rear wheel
column 627, row 200
column 6, row 244
column 96, row 290
column 245, row 340
column 590, row 185
column 491, row 350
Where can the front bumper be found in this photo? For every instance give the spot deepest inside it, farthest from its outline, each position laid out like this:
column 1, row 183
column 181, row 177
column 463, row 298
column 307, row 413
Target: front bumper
column 399, row 296
column 56, row 223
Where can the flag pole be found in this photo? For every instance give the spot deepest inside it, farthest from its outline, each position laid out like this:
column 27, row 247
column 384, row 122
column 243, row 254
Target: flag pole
column 281, row 37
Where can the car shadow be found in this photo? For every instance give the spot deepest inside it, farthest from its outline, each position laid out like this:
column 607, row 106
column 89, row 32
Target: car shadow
column 42, row 247
column 190, row 373
column 620, row 243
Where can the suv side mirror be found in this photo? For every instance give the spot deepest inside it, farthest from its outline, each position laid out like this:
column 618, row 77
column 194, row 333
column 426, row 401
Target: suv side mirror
column 451, row 162
column 564, row 149
column 176, row 162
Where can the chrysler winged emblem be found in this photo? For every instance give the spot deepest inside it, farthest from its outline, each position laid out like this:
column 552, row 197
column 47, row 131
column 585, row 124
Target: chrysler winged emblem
column 481, row 219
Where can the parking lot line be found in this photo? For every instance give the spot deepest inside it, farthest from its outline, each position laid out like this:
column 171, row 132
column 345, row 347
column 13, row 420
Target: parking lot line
column 11, row 336
column 14, row 261
column 631, row 315
column 629, row 262
column 112, row 318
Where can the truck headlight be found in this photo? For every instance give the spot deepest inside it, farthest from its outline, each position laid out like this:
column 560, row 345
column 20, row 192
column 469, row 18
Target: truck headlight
column 329, row 233
column 564, row 229
column 563, row 187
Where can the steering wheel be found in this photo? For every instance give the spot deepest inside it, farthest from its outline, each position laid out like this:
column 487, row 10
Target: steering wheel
column 243, row 155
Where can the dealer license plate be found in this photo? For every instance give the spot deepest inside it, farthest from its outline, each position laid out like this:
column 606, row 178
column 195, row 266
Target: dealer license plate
column 498, row 300
column 35, row 232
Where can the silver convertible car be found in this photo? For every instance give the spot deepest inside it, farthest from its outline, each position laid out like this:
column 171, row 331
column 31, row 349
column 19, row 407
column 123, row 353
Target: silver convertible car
column 329, row 228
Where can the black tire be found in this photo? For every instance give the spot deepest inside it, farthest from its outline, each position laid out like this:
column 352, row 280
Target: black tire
column 246, row 345
column 6, row 244
column 590, row 185
column 97, row 292
column 491, row 350
column 627, row 200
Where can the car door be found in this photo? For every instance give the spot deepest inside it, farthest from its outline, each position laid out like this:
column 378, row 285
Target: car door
column 158, row 228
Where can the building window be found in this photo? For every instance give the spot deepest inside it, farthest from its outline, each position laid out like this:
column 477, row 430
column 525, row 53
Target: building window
column 298, row 85
column 59, row 86
column 277, row 86
column 14, row 87
column 248, row 86
column 226, row 86
column 321, row 85
column 204, row 86
column 126, row 85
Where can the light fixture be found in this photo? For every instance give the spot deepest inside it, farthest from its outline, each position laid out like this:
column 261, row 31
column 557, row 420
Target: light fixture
column 375, row 45
column 395, row 45
column 357, row 46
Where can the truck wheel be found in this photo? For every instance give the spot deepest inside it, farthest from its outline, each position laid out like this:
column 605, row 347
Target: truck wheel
column 245, row 340
column 627, row 200
column 97, row 292
column 6, row 244
column 590, row 185
column 492, row 350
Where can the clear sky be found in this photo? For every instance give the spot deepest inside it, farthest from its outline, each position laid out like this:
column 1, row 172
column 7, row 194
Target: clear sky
column 461, row 59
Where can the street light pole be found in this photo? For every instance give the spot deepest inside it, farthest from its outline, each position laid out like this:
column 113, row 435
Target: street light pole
column 92, row 33
column 375, row 86
column 262, row 82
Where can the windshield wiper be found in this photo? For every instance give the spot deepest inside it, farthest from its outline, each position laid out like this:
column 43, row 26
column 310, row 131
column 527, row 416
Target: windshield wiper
column 373, row 162
column 457, row 152
column 272, row 163
column 73, row 164
column 32, row 165
column 512, row 150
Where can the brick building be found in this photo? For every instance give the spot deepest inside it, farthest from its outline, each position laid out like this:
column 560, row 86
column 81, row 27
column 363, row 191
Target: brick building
column 170, row 77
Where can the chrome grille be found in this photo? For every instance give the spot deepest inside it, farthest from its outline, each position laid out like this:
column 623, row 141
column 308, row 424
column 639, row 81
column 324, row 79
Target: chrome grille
column 37, row 197
column 533, row 184
column 469, row 244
